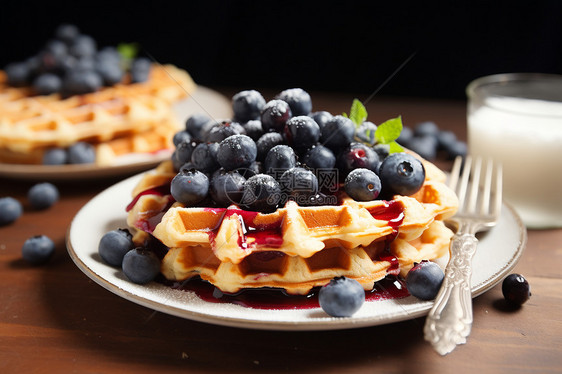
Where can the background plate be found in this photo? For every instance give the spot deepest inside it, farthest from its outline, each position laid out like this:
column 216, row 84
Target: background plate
column 203, row 100
column 498, row 252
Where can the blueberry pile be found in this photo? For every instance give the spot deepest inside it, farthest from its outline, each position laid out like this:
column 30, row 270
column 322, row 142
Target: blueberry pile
column 279, row 150
column 429, row 141
column 71, row 64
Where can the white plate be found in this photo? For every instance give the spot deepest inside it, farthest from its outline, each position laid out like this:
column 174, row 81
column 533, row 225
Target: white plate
column 498, row 252
column 203, row 100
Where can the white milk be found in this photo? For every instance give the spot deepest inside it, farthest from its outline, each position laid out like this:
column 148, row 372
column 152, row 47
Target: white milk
column 526, row 136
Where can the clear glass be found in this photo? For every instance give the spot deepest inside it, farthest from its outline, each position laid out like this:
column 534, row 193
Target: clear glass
column 516, row 119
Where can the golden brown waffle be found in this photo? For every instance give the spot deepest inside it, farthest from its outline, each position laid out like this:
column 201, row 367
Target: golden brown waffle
column 125, row 118
column 295, row 248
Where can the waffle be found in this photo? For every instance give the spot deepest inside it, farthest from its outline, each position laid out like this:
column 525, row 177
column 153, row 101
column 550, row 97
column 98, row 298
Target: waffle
column 125, row 118
column 295, row 248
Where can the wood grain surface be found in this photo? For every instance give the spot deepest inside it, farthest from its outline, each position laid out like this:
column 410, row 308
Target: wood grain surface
column 54, row 319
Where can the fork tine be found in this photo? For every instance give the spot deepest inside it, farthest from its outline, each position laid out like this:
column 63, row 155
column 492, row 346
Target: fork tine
column 462, row 187
column 474, row 186
column 455, row 172
column 485, row 202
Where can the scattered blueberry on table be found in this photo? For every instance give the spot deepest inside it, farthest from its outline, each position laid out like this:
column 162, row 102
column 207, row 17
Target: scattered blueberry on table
column 43, row 195
column 10, row 210
column 38, row 249
column 516, row 289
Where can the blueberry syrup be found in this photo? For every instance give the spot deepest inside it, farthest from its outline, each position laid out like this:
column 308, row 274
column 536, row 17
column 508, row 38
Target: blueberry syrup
column 388, row 288
column 253, row 235
column 149, row 223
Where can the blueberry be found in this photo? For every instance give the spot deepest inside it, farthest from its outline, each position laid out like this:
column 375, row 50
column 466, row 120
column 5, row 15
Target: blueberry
column 67, row 33
column 406, row 136
column 338, row 133
column 424, row 280
column 141, row 265
column 56, row 47
column 302, row 132
column 298, row 99
column 458, row 148
column 342, row 297
column 17, row 73
column 321, row 117
column 183, row 153
column 227, row 187
column 195, row 123
column 427, row 128
column 445, row 139
column 366, row 132
column 357, row 155
column 402, row 174
column 43, row 195
column 204, row 157
column 55, row 156
column 140, row 69
column 110, row 71
column 266, row 142
column 38, row 249
column 46, row 84
column 253, row 129
column 383, row 150
column 279, row 159
column 299, row 184
column 425, row 146
column 81, row 81
column 362, row 185
column 110, row 54
column 247, row 105
column 114, row 245
column 262, row 193
column 189, row 187
column 255, row 167
column 83, row 46
column 237, row 151
column 81, row 153
column 10, row 210
column 274, row 115
column 223, row 130
column 181, row 136
column 319, row 157
column 516, row 290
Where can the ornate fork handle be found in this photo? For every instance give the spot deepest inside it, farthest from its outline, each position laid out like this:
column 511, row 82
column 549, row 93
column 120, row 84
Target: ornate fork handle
column 450, row 320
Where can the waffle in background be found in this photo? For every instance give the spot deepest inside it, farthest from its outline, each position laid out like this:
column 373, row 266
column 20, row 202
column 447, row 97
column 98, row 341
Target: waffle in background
column 295, row 248
column 118, row 120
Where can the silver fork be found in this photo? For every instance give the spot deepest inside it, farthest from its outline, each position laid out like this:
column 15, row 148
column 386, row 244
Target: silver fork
column 480, row 198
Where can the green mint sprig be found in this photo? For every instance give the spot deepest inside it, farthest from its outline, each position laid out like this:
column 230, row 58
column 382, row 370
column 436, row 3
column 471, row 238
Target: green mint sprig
column 386, row 133
column 128, row 52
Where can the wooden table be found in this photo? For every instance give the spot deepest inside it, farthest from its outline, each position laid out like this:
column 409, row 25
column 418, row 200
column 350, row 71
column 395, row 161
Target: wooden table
column 53, row 318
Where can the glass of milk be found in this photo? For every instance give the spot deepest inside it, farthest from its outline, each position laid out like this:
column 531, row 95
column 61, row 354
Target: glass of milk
column 516, row 119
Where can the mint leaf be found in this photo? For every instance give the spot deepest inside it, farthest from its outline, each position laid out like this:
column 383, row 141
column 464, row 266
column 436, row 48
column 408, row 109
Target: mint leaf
column 395, row 147
column 128, row 50
column 388, row 131
column 358, row 112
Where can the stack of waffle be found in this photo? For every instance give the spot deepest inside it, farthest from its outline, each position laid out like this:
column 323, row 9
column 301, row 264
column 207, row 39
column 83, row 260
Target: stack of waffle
column 118, row 120
column 295, row 248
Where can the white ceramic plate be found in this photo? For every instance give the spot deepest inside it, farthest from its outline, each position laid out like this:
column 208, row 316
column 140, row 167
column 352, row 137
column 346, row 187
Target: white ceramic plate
column 498, row 252
column 203, row 100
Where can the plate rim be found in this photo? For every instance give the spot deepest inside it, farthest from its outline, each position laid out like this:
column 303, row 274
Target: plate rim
column 313, row 324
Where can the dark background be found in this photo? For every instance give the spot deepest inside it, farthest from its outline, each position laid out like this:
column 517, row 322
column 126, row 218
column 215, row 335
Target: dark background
column 352, row 46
